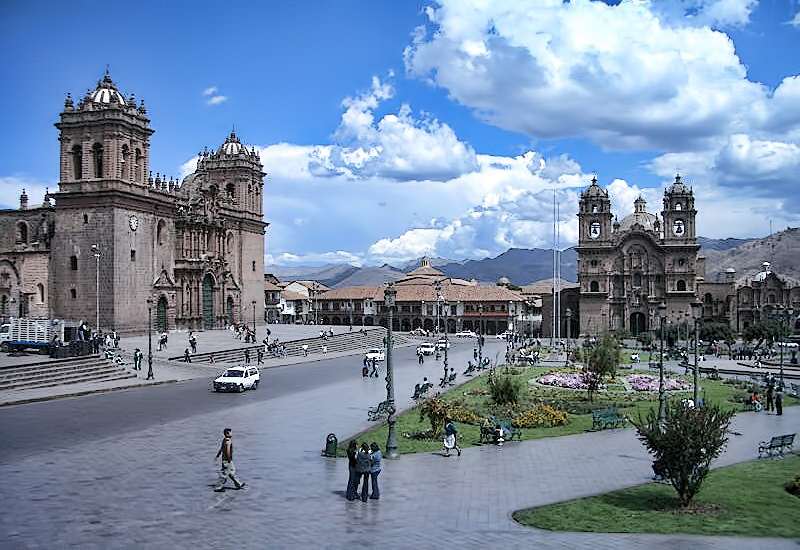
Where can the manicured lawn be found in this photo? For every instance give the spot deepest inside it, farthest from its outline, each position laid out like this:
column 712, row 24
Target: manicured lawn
column 744, row 500
column 473, row 395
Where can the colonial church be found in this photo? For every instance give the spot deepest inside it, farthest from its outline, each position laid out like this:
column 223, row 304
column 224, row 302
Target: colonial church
column 190, row 253
column 627, row 268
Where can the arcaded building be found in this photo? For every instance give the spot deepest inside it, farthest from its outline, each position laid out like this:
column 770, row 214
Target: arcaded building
column 191, row 252
column 627, row 268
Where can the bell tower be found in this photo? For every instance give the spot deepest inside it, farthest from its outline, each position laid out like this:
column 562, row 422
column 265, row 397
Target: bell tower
column 679, row 213
column 594, row 216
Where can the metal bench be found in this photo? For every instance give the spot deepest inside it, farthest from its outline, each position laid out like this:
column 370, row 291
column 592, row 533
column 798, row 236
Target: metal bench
column 779, row 445
column 384, row 409
column 489, row 433
column 609, row 417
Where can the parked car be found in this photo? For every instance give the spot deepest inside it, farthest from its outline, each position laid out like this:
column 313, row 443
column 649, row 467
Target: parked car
column 441, row 344
column 379, row 354
column 466, row 334
column 426, row 349
column 245, row 377
column 505, row 335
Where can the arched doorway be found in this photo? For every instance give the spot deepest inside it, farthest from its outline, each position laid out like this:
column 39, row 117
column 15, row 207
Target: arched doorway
column 208, row 301
column 229, row 311
column 161, row 315
column 638, row 323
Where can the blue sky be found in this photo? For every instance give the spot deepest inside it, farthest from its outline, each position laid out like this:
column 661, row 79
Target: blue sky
column 396, row 129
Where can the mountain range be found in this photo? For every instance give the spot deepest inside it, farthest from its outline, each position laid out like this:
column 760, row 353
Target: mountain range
column 525, row 266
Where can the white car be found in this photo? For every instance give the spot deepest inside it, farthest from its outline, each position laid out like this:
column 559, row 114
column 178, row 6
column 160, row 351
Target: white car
column 466, row 334
column 379, row 354
column 441, row 344
column 426, row 349
column 505, row 335
column 241, row 378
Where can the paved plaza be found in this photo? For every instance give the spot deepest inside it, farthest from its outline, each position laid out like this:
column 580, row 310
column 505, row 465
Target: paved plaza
column 152, row 489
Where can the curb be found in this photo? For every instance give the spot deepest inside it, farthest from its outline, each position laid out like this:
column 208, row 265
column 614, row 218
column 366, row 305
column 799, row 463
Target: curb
column 82, row 393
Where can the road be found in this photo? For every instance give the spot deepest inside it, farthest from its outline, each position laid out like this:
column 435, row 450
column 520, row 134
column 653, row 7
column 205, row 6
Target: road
column 59, row 424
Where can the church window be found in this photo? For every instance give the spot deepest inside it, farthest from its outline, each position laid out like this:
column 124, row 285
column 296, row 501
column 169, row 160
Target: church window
column 594, row 230
column 126, row 153
column 22, row 233
column 161, row 233
column 230, row 190
column 678, row 206
column 4, row 305
column 73, row 263
column 594, row 209
column 77, row 162
column 133, row 255
column 97, row 160
column 707, row 298
column 637, row 280
column 681, row 286
column 594, row 263
column 771, row 299
column 594, row 286
column 72, row 293
column 137, row 168
column 86, row 218
column 40, row 292
column 681, row 262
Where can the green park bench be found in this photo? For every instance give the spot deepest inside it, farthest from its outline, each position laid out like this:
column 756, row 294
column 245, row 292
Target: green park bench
column 489, row 434
column 779, row 444
column 608, row 417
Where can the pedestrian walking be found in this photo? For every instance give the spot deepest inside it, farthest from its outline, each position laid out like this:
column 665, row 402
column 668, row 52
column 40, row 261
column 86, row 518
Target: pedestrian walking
column 352, row 480
column 247, row 356
column 770, row 397
column 375, row 451
column 374, row 371
column 450, row 437
column 779, row 401
column 137, row 360
column 187, row 357
column 305, row 350
column 228, row 469
column 260, row 356
column 193, row 342
column 363, row 467
column 324, row 349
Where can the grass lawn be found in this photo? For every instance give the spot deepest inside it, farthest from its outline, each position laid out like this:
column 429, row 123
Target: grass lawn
column 473, row 395
column 744, row 500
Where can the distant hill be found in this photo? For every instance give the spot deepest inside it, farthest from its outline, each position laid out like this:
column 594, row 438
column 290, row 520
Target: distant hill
column 781, row 249
column 525, row 266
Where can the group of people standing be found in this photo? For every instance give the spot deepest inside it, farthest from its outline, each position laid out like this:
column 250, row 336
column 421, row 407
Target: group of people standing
column 364, row 464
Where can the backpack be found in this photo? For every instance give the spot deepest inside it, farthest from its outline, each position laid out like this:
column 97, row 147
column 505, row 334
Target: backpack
column 363, row 462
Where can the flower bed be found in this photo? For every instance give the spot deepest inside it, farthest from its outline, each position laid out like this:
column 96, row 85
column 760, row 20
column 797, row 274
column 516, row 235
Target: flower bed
column 646, row 382
column 571, row 380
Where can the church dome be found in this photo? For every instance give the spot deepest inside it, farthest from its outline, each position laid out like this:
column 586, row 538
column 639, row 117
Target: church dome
column 232, row 146
column 106, row 93
column 639, row 217
column 593, row 191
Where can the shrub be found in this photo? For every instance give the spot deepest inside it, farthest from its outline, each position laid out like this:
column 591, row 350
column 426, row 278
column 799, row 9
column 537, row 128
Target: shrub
column 686, row 443
column 435, row 409
column 505, row 390
column 541, row 415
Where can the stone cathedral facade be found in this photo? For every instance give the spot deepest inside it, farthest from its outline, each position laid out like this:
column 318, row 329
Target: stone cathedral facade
column 627, row 268
column 191, row 252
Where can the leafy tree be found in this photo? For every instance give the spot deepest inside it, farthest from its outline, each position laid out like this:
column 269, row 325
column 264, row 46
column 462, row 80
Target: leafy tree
column 505, row 390
column 602, row 362
column 686, row 444
column 763, row 331
column 435, row 410
column 645, row 339
column 717, row 332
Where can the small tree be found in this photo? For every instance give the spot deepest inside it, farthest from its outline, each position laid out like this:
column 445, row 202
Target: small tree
column 505, row 390
column 763, row 331
column 686, row 444
column 436, row 410
column 602, row 362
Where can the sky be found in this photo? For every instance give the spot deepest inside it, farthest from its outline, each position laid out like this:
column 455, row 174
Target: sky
column 392, row 130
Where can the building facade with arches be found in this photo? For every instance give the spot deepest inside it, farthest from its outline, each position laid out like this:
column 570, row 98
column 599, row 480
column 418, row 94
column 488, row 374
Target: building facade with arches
column 189, row 253
column 627, row 268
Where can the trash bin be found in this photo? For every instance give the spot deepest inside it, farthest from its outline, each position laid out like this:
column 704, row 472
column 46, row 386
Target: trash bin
column 331, row 444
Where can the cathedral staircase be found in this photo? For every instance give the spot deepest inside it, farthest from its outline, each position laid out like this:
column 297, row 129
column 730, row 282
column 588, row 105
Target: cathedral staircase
column 345, row 343
column 58, row 372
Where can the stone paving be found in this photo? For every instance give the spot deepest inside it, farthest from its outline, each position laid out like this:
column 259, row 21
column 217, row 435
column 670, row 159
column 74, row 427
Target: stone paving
column 152, row 489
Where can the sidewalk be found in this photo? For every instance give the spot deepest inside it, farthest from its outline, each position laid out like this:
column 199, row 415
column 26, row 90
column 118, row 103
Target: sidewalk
column 153, row 489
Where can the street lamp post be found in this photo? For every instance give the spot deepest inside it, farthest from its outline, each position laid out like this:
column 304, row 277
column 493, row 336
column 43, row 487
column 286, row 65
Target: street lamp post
column 438, row 286
column 697, row 314
column 390, row 295
column 788, row 316
column 254, row 319
column 569, row 330
column 149, row 339
column 662, row 413
column 480, row 335
column 96, row 254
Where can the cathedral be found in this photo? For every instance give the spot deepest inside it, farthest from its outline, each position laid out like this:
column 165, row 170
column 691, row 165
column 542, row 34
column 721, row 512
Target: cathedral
column 628, row 268
column 115, row 243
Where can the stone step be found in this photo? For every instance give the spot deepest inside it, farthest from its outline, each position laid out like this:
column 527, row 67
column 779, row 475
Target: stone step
column 66, row 371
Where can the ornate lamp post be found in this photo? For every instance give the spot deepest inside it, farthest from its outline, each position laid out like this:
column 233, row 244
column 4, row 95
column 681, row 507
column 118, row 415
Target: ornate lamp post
column 697, row 314
column 254, row 317
column 569, row 330
column 480, row 335
column 96, row 254
column 438, row 286
column 149, row 338
column 787, row 316
column 662, row 413
column 389, row 296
